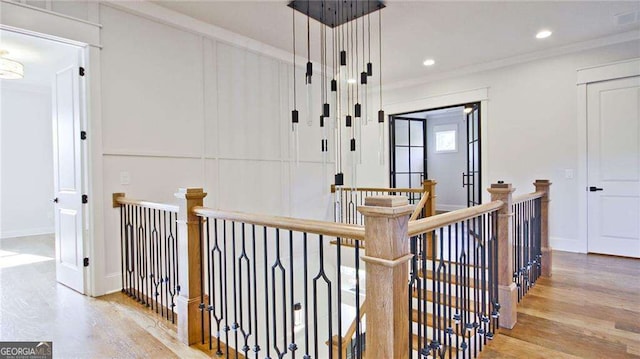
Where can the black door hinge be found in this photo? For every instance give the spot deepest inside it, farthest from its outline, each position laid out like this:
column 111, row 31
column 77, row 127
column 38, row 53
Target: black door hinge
column 81, row 71
column 86, row 261
column 83, row 135
column 85, row 198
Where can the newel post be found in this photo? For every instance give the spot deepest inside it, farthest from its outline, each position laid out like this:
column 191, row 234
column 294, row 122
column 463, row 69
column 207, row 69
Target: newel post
column 507, row 290
column 430, row 206
column 387, row 256
column 189, row 269
column 547, row 260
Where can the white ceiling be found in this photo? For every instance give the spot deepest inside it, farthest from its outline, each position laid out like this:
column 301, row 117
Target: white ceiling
column 41, row 58
column 456, row 34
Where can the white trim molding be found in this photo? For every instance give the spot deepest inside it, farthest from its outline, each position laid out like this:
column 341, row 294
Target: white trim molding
column 612, row 71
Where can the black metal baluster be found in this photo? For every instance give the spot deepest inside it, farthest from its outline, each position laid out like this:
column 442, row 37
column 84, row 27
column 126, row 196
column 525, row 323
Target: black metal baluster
column 458, row 315
column 201, row 306
column 425, row 340
column 306, row 296
column 246, row 332
column 122, row 245
column 175, row 264
column 322, row 275
column 167, row 260
column 225, row 294
column 359, row 344
column 412, row 289
column 234, row 325
column 256, row 347
column 218, row 303
column 277, row 265
column 266, row 296
column 210, row 279
column 339, row 292
column 292, row 346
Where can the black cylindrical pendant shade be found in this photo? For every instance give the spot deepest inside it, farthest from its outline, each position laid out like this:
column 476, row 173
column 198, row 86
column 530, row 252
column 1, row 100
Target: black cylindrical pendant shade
column 334, row 85
column 347, row 121
column 325, row 110
column 358, row 110
column 353, row 144
column 381, row 116
column 294, row 116
column 321, row 121
column 363, row 78
column 369, row 69
column 339, row 179
column 309, row 68
column 343, row 58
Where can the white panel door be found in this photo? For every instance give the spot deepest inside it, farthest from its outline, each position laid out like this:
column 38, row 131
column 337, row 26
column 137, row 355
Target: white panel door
column 68, row 179
column 613, row 134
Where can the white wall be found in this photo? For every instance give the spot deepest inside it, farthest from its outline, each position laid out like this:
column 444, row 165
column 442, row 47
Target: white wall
column 531, row 128
column 26, row 162
column 447, row 167
column 184, row 110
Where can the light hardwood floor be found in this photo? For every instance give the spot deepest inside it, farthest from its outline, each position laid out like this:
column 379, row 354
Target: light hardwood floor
column 34, row 307
column 590, row 308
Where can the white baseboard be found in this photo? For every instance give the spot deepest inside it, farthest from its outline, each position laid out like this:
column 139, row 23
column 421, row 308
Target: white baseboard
column 568, row 245
column 448, row 207
column 110, row 283
column 27, row 232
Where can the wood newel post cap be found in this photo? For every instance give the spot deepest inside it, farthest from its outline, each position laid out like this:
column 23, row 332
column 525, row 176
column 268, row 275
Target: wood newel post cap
column 114, row 198
column 190, row 193
column 543, row 186
column 386, row 206
column 501, row 189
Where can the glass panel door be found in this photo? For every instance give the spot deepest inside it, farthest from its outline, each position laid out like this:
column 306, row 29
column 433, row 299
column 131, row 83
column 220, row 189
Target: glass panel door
column 408, row 154
column 471, row 178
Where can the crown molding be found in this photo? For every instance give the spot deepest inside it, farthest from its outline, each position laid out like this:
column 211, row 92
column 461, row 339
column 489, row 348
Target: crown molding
column 519, row 59
column 187, row 23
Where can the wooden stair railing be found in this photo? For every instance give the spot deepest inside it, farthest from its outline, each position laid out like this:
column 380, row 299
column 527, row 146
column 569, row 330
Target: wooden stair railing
column 438, row 299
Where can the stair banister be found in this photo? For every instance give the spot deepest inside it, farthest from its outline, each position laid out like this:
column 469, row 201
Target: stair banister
column 190, row 260
column 544, row 186
column 507, row 290
column 387, row 257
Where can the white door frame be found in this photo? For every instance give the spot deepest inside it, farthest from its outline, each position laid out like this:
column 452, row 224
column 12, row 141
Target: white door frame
column 34, row 21
column 586, row 76
column 445, row 100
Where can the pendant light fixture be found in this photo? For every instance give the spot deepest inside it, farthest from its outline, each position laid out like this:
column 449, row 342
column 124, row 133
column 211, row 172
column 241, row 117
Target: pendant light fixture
column 10, row 69
column 344, row 88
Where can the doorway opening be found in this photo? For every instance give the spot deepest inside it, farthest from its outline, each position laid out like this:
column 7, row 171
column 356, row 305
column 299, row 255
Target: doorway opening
column 442, row 144
column 42, row 168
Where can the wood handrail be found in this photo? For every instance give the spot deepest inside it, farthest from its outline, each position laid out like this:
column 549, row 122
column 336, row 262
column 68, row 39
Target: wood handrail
column 146, row 204
column 528, row 196
column 294, row 224
column 431, row 223
column 377, row 189
column 419, row 207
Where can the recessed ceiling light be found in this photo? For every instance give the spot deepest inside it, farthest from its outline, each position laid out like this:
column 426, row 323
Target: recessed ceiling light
column 543, row 34
column 351, row 81
column 429, row 62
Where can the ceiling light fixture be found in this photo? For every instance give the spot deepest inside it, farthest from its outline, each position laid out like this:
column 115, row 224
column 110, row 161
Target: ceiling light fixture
column 429, row 62
column 345, row 68
column 543, row 34
column 468, row 109
column 10, row 69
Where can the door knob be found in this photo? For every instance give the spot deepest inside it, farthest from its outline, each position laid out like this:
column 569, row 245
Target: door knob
column 55, row 200
column 595, row 189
